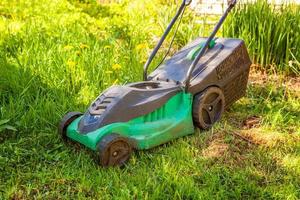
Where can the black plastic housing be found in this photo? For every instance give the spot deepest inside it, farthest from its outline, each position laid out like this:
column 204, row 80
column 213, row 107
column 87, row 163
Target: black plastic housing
column 226, row 66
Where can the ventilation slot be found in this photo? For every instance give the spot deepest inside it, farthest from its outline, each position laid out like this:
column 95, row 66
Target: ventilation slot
column 155, row 115
column 103, row 105
column 108, row 100
column 99, row 106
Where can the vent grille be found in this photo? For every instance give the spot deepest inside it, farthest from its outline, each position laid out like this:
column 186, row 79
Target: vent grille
column 155, row 115
column 101, row 104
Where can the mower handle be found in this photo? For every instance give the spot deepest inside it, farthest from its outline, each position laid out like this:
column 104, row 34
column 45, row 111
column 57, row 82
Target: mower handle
column 162, row 39
column 231, row 4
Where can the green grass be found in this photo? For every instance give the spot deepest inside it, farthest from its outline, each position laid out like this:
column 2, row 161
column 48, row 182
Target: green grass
column 272, row 34
column 57, row 56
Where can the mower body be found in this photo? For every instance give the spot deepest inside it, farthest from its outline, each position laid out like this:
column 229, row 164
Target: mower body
column 153, row 112
column 145, row 122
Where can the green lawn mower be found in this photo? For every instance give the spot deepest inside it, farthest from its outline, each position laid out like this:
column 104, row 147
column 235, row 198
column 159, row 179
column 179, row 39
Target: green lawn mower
column 191, row 89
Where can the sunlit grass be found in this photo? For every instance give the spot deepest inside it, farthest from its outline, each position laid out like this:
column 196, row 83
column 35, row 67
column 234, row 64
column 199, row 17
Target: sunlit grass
column 57, row 56
column 271, row 33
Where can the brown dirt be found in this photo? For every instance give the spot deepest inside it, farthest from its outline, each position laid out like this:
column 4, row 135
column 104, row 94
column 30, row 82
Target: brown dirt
column 215, row 150
column 232, row 153
column 252, row 122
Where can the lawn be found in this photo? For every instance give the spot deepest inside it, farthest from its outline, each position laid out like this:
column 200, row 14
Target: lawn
column 57, row 56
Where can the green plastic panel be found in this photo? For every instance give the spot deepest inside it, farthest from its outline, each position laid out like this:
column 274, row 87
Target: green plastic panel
column 172, row 120
column 195, row 51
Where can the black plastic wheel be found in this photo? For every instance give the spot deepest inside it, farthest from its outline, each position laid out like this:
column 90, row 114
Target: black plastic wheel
column 66, row 121
column 208, row 107
column 114, row 150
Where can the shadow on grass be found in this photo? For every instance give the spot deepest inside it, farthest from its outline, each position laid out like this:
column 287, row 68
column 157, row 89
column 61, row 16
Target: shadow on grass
column 29, row 102
column 35, row 110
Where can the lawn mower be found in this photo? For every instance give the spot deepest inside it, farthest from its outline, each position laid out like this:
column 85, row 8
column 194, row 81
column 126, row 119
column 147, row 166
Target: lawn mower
column 191, row 89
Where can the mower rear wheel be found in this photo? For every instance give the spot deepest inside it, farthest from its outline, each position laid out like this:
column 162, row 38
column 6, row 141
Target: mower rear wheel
column 66, row 121
column 208, row 107
column 114, row 150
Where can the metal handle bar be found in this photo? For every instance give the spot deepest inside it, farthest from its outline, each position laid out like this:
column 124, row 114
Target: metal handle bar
column 162, row 39
column 231, row 3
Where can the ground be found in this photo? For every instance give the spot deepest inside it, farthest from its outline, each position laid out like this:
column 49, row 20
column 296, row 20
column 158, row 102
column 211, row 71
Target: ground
column 57, row 56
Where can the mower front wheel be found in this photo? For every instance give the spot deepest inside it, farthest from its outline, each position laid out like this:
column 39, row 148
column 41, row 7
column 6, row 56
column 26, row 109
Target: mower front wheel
column 114, row 150
column 66, row 121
